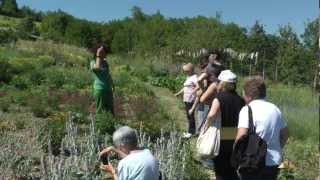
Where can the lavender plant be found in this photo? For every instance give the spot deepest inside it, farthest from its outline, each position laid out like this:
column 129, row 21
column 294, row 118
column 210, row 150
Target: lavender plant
column 78, row 158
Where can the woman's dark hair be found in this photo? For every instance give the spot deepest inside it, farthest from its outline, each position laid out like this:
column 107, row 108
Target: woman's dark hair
column 214, row 51
column 203, row 62
column 105, row 47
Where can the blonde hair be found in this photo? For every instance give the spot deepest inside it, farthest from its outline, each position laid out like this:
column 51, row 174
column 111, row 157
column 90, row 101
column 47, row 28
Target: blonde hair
column 226, row 86
column 188, row 67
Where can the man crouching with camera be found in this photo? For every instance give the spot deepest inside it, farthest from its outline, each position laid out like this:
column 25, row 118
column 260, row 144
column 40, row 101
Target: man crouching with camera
column 136, row 163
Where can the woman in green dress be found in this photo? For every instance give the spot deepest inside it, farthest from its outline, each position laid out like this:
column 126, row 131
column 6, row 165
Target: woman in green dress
column 103, row 86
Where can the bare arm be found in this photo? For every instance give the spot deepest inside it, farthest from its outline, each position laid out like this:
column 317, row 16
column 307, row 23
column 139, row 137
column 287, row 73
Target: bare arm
column 284, row 135
column 113, row 149
column 202, row 77
column 215, row 108
column 241, row 132
column 178, row 93
column 198, row 91
column 97, row 65
column 212, row 89
column 194, row 106
column 109, row 169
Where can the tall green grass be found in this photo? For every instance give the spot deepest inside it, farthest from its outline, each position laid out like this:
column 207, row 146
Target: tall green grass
column 299, row 106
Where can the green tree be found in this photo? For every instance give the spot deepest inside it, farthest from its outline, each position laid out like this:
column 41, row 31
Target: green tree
column 82, row 33
column 137, row 14
column 258, row 43
column 123, row 40
column 311, row 42
column 9, row 7
column 54, row 25
column 27, row 11
column 295, row 64
column 26, row 28
column 311, row 35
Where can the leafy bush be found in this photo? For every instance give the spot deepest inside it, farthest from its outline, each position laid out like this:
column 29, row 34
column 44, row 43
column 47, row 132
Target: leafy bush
column 36, row 77
column 19, row 97
column 5, row 102
column 55, row 77
column 38, row 102
column 21, row 82
column 301, row 160
column 6, row 71
column 126, row 84
column 44, row 61
column 21, row 65
column 172, row 83
column 20, row 123
column 79, row 77
column 8, row 36
column 52, row 132
column 105, row 123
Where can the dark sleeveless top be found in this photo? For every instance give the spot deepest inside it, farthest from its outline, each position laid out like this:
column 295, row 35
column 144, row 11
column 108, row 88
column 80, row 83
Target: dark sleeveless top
column 230, row 106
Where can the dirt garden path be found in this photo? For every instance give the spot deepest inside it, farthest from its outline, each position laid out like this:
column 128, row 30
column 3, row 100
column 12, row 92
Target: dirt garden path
column 174, row 107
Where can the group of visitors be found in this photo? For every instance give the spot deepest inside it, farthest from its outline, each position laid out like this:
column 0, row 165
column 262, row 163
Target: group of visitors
column 214, row 93
column 210, row 95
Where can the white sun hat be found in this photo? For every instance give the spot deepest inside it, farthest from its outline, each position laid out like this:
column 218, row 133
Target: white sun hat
column 227, row 76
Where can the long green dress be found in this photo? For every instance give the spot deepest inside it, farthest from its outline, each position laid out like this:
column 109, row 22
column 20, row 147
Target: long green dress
column 103, row 95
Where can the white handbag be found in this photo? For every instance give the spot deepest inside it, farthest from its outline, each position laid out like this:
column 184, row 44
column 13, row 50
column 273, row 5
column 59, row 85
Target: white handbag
column 208, row 143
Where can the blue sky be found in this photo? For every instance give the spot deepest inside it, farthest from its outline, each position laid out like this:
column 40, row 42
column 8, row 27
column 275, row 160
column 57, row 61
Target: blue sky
column 271, row 13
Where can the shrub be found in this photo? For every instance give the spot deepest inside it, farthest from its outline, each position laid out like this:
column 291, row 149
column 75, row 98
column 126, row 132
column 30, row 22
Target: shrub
column 5, row 102
column 39, row 106
column 78, row 77
column 36, row 77
column 21, row 65
column 6, row 71
column 105, row 123
column 20, row 97
column 52, row 132
column 20, row 123
column 8, row 36
column 45, row 61
column 172, row 83
column 21, row 82
column 127, row 84
column 302, row 160
column 55, row 77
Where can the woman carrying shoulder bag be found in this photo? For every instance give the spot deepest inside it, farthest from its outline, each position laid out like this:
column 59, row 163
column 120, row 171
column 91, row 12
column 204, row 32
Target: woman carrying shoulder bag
column 227, row 103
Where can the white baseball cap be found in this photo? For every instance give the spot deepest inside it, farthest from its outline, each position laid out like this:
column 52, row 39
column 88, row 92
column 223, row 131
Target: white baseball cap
column 227, row 76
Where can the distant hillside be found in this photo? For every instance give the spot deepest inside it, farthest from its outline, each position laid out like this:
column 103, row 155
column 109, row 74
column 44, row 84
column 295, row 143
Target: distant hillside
column 9, row 22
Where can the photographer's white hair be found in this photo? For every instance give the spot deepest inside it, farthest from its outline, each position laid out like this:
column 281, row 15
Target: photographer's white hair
column 125, row 136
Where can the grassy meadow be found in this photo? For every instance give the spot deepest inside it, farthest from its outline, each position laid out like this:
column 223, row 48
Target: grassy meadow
column 47, row 124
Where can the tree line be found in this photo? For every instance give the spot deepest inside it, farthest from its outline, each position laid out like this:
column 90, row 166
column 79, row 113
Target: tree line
column 283, row 56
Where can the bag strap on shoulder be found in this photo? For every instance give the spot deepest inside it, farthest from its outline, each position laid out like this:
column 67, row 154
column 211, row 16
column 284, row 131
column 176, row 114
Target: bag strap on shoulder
column 252, row 128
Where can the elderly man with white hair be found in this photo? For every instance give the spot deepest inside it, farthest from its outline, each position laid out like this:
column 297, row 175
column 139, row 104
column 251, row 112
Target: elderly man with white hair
column 136, row 163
